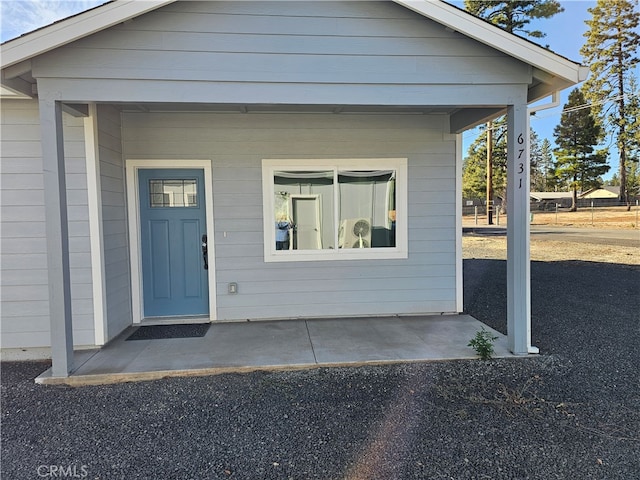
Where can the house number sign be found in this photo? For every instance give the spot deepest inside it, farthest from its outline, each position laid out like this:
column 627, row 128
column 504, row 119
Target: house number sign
column 520, row 141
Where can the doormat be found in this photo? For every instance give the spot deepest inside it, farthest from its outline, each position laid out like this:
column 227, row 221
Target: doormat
column 158, row 332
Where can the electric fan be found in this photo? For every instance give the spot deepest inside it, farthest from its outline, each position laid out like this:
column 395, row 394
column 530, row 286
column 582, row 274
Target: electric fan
column 355, row 233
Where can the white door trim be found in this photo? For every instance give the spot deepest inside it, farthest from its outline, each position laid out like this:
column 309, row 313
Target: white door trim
column 133, row 209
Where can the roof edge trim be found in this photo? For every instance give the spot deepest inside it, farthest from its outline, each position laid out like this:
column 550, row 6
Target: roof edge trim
column 73, row 28
column 493, row 36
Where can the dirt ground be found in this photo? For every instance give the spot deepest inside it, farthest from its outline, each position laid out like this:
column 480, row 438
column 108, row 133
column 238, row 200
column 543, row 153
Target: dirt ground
column 606, row 218
column 602, row 217
column 551, row 251
column 495, row 247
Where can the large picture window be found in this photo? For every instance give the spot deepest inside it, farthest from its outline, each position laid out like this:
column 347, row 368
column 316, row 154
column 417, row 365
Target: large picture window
column 335, row 209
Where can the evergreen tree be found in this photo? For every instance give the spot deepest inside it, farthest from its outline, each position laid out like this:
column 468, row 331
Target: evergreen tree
column 633, row 120
column 611, row 50
column 474, row 170
column 550, row 182
column 576, row 136
column 514, row 15
column 614, row 181
column 535, row 173
column 632, row 187
column 633, row 180
column 542, row 167
column 474, row 176
column 541, row 162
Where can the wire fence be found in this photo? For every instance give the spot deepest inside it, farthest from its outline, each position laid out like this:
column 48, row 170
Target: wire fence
column 614, row 214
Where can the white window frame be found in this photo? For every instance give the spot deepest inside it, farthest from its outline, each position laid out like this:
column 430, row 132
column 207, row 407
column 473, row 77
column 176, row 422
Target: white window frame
column 270, row 166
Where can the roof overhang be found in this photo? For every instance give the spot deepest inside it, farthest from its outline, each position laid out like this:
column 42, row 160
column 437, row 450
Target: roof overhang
column 551, row 72
column 74, row 28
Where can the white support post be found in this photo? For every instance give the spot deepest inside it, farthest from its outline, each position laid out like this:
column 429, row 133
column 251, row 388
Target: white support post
column 518, row 229
column 55, row 201
column 94, row 194
column 459, row 261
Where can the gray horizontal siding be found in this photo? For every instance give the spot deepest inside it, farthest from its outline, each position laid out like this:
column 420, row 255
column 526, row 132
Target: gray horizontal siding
column 425, row 282
column 284, row 52
column 250, row 67
column 290, row 43
column 116, row 247
column 24, row 291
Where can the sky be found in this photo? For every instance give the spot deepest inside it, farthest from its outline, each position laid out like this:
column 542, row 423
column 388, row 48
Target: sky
column 564, row 36
column 22, row 16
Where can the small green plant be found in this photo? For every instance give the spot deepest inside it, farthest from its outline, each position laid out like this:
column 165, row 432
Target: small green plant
column 482, row 343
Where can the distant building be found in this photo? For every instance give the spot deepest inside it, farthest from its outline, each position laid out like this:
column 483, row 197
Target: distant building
column 603, row 196
column 548, row 200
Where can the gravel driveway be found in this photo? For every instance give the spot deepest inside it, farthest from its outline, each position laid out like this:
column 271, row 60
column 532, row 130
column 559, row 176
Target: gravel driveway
column 571, row 413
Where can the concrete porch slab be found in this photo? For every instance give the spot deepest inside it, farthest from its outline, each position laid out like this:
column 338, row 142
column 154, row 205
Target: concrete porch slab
column 282, row 344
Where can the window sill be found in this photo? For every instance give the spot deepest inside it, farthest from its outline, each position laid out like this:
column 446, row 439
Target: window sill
column 332, row 255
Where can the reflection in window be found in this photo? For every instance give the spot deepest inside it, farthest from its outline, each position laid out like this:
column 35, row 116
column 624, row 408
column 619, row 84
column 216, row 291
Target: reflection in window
column 173, row 193
column 304, row 210
column 310, row 213
column 367, row 209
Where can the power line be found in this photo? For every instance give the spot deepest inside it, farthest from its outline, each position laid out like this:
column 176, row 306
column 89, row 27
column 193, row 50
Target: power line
column 569, row 110
column 587, row 105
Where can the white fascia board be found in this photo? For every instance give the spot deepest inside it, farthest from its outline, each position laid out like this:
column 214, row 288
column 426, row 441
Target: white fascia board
column 495, row 37
column 73, row 28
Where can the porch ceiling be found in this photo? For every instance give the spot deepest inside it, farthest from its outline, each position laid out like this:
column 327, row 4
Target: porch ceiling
column 273, row 108
column 461, row 117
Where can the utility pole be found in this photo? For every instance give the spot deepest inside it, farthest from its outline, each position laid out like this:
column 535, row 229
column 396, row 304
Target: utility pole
column 489, row 173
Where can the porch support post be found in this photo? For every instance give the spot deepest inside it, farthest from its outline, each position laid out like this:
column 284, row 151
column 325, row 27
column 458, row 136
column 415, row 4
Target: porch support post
column 55, row 201
column 459, row 261
column 518, row 229
column 94, row 196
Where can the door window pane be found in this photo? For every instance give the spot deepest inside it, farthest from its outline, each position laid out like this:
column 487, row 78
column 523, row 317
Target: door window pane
column 173, row 193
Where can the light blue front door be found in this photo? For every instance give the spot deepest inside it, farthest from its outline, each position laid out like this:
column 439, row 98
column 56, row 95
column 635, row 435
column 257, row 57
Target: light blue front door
column 172, row 225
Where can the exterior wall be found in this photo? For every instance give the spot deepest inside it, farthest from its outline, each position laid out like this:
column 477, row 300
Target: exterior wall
column 237, row 143
column 24, row 297
column 353, row 53
column 249, row 55
column 114, row 219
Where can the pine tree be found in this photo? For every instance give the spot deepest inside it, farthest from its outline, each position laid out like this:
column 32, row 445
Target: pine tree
column 540, row 160
column 632, row 188
column 474, row 176
column 614, row 181
column 474, row 170
column 633, row 179
column 633, row 119
column 542, row 168
column 514, row 15
column 576, row 136
column 550, row 182
column 611, row 50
